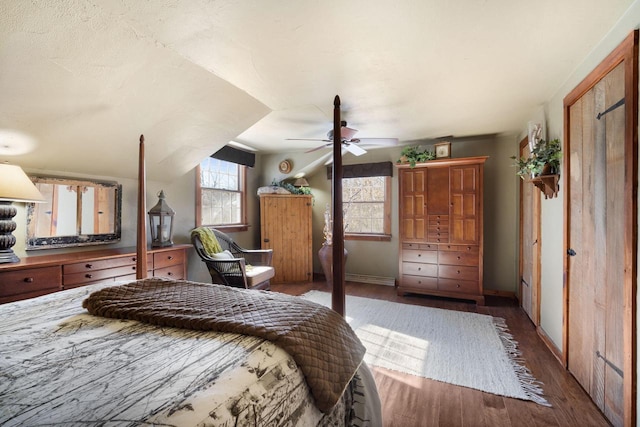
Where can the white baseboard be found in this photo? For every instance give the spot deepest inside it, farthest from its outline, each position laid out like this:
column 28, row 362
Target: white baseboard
column 374, row 280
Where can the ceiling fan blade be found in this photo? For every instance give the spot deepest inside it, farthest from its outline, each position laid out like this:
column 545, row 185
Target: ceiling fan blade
column 383, row 142
column 354, row 149
column 318, row 148
column 307, row 139
column 347, row 133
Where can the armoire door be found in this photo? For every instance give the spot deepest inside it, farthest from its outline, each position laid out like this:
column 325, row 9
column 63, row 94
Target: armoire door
column 529, row 244
column 464, row 187
column 413, row 224
column 600, row 234
column 285, row 227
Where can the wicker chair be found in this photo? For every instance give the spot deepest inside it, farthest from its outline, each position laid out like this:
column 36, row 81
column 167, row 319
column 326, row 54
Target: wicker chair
column 233, row 270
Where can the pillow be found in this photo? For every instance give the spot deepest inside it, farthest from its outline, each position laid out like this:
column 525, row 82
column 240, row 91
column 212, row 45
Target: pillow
column 222, row 255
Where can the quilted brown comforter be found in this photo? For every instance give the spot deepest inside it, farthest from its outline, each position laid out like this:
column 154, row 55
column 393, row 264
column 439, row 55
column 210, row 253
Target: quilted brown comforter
column 319, row 340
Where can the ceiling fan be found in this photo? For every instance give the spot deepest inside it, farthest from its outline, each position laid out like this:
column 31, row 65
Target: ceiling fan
column 351, row 144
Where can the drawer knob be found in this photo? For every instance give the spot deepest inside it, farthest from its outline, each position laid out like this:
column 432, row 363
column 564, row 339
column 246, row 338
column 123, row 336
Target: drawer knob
column 28, row 279
column 419, row 268
column 169, row 257
column 458, row 256
column 89, row 265
column 458, row 271
column 169, row 273
column 457, row 285
column 419, row 255
column 88, row 276
column 133, row 268
column 133, row 259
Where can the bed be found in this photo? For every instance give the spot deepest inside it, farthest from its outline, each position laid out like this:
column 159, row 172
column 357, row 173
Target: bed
column 60, row 365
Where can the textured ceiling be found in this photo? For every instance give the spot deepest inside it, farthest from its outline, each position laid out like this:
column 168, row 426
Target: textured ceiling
column 83, row 79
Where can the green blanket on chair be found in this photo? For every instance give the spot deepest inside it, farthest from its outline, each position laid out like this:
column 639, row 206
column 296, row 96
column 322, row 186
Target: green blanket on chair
column 209, row 241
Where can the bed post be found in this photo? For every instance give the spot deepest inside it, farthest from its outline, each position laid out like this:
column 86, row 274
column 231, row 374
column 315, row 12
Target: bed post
column 141, row 238
column 337, row 296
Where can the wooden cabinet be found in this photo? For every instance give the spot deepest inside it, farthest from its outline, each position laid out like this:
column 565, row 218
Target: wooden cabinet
column 285, row 227
column 41, row 275
column 441, row 228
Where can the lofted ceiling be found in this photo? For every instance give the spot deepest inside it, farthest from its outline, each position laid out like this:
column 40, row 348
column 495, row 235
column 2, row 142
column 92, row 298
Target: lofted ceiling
column 80, row 80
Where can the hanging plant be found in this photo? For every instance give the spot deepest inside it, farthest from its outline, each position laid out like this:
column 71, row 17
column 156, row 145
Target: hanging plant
column 544, row 159
column 413, row 155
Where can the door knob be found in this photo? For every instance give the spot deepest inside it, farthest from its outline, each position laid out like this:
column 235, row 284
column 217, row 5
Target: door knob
column 571, row 252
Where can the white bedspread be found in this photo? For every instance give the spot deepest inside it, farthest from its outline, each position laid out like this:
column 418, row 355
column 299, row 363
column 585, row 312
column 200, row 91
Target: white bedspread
column 60, row 365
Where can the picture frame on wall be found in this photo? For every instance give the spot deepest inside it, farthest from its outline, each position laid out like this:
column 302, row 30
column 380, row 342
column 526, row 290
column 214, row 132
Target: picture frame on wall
column 442, row 150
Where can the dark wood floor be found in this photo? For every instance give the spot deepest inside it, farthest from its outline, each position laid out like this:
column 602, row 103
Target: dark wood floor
column 408, row 400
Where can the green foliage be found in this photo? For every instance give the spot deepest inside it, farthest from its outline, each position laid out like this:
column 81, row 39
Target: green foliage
column 291, row 188
column 543, row 154
column 413, row 155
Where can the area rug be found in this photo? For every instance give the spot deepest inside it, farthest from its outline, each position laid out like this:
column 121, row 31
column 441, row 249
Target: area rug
column 466, row 349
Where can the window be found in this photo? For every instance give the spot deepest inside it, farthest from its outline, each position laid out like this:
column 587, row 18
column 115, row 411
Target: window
column 366, row 200
column 220, row 195
column 367, row 208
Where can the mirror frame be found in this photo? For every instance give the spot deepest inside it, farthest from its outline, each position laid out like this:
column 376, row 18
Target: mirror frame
column 54, row 242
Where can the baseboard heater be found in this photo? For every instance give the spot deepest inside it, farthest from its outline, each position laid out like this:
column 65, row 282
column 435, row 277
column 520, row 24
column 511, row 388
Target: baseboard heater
column 374, row 280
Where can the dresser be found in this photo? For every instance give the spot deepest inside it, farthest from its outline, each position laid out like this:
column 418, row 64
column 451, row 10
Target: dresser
column 441, row 228
column 285, row 227
column 39, row 275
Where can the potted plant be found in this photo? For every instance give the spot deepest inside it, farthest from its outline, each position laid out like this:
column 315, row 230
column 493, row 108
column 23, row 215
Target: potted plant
column 413, row 155
column 544, row 159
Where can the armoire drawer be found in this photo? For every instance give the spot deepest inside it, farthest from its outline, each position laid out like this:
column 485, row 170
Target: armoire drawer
column 420, row 256
column 459, row 248
column 458, row 258
column 458, row 272
column 420, row 246
column 418, row 269
column 420, row 282
column 462, row 286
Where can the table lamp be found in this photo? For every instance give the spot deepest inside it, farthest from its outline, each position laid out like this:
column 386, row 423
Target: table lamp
column 15, row 186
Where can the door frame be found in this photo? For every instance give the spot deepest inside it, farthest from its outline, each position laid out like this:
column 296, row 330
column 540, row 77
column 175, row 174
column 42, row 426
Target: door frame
column 536, row 217
column 626, row 52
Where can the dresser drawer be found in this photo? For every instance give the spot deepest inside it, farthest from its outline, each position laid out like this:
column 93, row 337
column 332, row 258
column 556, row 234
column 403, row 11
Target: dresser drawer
column 79, row 279
column 28, row 283
column 458, row 272
column 419, row 282
column 173, row 272
column 462, row 286
column 417, row 269
column 420, row 256
column 458, row 258
column 101, row 264
column 168, row 258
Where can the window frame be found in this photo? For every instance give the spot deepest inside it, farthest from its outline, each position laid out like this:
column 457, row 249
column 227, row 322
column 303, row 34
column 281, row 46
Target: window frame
column 243, row 225
column 385, row 236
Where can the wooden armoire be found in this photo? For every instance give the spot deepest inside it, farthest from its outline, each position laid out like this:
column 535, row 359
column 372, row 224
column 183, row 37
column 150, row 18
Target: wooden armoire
column 285, row 227
column 441, row 228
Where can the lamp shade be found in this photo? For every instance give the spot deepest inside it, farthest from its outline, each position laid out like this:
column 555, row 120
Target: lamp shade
column 15, row 185
column 301, row 182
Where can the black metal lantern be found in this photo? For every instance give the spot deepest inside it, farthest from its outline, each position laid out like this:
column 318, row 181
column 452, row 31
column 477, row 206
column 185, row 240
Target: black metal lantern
column 161, row 223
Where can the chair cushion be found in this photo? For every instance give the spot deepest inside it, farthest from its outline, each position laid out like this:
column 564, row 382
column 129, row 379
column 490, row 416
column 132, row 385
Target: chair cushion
column 222, row 255
column 259, row 274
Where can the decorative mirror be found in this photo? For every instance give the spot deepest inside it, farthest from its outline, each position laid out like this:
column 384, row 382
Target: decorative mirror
column 76, row 213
